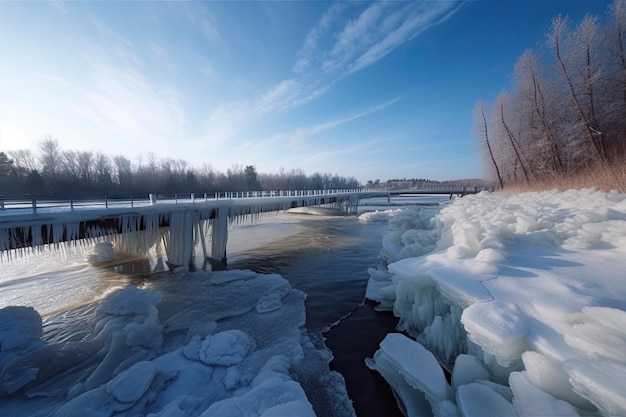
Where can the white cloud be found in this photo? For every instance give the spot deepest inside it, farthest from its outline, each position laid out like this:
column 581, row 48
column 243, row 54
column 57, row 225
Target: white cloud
column 280, row 97
column 307, row 53
column 299, row 136
column 120, row 97
column 374, row 30
column 198, row 14
column 416, row 19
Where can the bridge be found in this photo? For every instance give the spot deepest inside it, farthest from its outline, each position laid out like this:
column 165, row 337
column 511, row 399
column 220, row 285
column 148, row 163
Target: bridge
column 136, row 225
column 459, row 191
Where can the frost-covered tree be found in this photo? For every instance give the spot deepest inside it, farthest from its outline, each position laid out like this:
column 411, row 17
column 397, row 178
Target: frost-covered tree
column 565, row 113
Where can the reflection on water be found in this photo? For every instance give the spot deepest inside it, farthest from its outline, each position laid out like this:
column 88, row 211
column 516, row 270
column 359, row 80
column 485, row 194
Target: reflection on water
column 327, row 258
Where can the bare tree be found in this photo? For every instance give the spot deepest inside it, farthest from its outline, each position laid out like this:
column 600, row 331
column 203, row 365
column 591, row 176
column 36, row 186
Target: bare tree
column 85, row 168
column 50, row 158
column 564, row 45
column 529, row 88
column 123, row 172
column 519, row 158
column 24, row 162
column 482, row 132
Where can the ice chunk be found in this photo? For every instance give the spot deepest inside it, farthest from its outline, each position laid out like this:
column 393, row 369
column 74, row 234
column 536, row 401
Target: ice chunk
column 467, row 368
column 503, row 390
column 418, row 366
column 232, row 378
column 530, row 401
column 90, row 403
column 102, row 252
column 498, row 327
column 410, row 400
column 130, row 301
column 602, row 382
column 479, row 400
column 19, row 327
column 549, row 376
column 490, row 255
column 598, row 331
column 270, row 393
column 130, row 385
column 275, row 367
column 226, row 348
column 268, row 302
column 290, row 409
column 466, row 241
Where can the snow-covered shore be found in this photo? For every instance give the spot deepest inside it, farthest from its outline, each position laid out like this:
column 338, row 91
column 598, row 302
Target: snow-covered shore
column 523, row 297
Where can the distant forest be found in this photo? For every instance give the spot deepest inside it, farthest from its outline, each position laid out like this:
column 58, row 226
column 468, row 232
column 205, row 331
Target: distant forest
column 53, row 171
column 566, row 115
column 426, row 184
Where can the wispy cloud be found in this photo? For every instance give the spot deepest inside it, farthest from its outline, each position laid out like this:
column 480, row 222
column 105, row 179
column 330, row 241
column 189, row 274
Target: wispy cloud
column 308, row 52
column 401, row 27
column 298, row 137
column 60, row 6
column 122, row 98
column 330, row 155
column 349, row 37
column 198, row 14
column 372, row 31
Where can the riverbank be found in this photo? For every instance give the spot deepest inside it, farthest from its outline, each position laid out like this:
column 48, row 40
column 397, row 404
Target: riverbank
column 516, row 294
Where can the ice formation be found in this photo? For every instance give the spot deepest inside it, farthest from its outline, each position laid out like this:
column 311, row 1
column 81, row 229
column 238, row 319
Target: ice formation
column 522, row 297
column 236, row 346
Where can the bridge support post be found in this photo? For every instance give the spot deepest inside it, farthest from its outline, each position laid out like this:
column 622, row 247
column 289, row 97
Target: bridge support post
column 219, row 234
column 181, row 242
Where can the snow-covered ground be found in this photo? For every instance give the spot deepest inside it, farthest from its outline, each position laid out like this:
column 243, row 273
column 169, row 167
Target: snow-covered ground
column 522, row 297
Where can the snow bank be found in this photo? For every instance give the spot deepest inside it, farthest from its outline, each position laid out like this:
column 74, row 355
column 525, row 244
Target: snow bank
column 192, row 344
column 522, row 297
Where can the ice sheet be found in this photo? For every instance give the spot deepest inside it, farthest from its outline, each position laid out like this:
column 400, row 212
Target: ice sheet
column 539, row 281
column 142, row 352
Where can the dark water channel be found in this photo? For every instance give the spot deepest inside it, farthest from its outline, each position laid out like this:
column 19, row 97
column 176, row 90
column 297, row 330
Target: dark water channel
column 328, row 258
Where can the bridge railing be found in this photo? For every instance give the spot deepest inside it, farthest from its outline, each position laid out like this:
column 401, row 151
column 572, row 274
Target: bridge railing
column 34, row 205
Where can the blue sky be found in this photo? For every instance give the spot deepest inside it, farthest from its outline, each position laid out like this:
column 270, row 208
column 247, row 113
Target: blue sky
column 375, row 90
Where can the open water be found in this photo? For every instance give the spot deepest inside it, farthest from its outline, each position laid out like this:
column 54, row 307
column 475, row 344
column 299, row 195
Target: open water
column 327, row 257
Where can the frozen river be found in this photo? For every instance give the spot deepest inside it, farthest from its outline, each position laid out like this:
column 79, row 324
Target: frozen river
column 325, row 257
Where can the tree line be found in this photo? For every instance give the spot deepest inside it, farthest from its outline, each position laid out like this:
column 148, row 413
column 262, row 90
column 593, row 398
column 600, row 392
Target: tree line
column 396, row 184
column 53, row 171
column 566, row 113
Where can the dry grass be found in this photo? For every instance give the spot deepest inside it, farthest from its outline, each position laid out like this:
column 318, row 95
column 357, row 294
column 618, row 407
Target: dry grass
column 602, row 177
